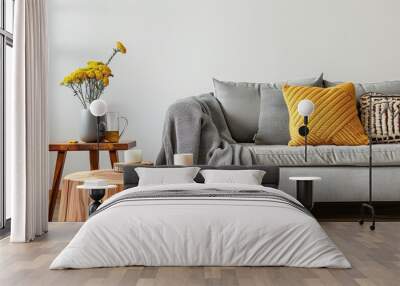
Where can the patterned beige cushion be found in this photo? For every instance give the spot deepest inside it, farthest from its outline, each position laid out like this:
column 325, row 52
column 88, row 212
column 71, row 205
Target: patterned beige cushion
column 385, row 118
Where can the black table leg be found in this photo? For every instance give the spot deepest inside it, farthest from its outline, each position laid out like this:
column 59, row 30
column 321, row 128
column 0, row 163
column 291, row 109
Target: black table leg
column 96, row 195
column 305, row 193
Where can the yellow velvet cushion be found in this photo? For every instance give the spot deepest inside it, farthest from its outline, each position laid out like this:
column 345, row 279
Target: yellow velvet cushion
column 334, row 120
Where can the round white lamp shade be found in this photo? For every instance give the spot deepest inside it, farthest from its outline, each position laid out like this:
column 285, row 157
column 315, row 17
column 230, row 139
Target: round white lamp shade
column 98, row 107
column 305, row 107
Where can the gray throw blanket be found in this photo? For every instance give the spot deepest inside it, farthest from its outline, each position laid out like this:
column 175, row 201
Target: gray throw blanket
column 197, row 125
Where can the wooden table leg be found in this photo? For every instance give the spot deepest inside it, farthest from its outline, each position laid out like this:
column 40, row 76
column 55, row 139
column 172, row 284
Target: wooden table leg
column 113, row 157
column 94, row 159
column 55, row 189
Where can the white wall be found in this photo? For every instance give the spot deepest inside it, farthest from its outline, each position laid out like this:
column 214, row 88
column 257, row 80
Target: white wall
column 175, row 47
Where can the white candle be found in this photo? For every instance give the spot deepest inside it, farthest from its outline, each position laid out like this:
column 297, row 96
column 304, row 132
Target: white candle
column 184, row 159
column 133, row 156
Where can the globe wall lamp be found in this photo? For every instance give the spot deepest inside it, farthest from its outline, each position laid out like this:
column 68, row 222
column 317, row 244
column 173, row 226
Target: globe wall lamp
column 305, row 108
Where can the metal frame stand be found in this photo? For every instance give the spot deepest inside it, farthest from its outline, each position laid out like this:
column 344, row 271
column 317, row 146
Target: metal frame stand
column 369, row 206
column 303, row 131
column 96, row 194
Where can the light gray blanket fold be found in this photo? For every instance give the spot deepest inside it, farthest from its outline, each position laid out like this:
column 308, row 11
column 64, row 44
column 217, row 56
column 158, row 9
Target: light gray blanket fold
column 197, row 125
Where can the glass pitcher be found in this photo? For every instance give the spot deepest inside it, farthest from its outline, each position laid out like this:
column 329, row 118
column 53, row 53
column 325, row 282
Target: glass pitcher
column 113, row 128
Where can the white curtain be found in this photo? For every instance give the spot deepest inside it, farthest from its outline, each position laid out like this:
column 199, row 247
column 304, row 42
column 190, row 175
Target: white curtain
column 26, row 123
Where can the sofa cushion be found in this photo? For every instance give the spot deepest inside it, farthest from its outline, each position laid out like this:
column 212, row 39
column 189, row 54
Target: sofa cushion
column 383, row 118
column 334, row 120
column 240, row 103
column 273, row 124
column 326, row 155
column 385, row 87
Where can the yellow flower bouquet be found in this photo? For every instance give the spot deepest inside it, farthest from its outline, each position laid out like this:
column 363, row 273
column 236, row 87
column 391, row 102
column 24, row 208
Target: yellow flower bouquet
column 89, row 82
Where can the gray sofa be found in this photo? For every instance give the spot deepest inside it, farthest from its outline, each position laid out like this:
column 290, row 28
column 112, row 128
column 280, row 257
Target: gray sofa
column 257, row 119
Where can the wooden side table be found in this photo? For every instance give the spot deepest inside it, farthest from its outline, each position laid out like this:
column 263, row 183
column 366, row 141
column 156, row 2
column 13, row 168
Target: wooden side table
column 74, row 202
column 93, row 149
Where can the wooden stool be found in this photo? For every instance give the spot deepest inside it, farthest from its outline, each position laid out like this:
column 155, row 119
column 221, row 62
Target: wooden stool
column 74, row 202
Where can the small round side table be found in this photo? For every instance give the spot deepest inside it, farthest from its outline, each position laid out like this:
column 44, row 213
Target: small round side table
column 304, row 190
column 74, row 202
column 96, row 193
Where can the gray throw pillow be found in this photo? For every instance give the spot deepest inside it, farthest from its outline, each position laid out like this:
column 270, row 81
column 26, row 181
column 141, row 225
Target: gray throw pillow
column 240, row 102
column 385, row 87
column 273, row 124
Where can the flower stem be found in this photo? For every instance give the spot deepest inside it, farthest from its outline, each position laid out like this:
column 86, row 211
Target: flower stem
column 79, row 95
column 115, row 51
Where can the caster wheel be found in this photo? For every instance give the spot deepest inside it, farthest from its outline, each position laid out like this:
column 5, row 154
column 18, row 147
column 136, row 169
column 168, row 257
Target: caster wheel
column 361, row 222
column 372, row 227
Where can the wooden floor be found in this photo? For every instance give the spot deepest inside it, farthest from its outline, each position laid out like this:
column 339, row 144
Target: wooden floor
column 375, row 257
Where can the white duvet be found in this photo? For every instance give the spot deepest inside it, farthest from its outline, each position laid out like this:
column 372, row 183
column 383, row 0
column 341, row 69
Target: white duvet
column 193, row 231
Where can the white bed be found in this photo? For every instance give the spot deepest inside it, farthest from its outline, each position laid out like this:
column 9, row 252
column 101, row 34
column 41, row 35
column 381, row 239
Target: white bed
column 202, row 231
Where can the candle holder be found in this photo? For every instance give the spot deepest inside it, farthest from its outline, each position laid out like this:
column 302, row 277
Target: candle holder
column 371, row 96
column 183, row 159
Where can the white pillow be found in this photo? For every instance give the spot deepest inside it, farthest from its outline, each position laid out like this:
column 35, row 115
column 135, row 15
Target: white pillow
column 165, row 176
column 248, row 177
